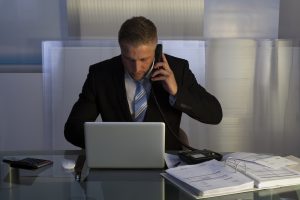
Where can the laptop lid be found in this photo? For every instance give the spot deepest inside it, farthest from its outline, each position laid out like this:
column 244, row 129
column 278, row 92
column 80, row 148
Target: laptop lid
column 125, row 144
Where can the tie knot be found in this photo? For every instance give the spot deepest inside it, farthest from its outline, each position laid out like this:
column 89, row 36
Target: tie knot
column 140, row 86
column 140, row 82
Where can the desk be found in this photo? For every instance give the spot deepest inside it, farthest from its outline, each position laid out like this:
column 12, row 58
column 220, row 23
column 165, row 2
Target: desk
column 55, row 182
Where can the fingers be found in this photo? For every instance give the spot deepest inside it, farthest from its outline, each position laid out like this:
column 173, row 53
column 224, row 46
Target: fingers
column 164, row 59
column 162, row 64
column 162, row 72
column 161, row 69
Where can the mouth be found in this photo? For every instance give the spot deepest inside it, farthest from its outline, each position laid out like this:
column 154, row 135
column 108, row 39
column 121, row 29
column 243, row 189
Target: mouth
column 137, row 76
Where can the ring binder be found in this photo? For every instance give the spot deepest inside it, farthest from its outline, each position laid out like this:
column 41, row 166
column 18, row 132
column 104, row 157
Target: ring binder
column 236, row 164
column 232, row 175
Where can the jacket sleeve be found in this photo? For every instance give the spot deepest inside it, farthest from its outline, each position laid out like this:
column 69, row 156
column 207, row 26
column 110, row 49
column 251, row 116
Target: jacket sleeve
column 84, row 110
column 194, row 100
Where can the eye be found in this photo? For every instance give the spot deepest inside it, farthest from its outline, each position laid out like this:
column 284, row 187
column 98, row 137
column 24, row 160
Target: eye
column 129, row 59
column 145, row 60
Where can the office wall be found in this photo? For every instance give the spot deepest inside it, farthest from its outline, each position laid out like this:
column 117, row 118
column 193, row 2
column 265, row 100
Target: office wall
column 101, row 19
column 21, row 113
column 23, row 26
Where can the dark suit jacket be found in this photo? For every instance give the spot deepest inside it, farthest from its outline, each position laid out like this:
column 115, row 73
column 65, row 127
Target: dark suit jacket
column 104, row 93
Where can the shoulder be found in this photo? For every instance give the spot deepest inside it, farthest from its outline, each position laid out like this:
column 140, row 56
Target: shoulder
column 173, row 59
column 109, row 65
column 106, row 70
column 178, row 65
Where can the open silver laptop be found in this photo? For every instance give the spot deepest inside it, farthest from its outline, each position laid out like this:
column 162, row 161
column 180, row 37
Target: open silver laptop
column 125, row 144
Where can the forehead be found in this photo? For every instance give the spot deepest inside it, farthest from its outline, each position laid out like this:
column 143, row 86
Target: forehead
column 129, row 46
column 142, row 50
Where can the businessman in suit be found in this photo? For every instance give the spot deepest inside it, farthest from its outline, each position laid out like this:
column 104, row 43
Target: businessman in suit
column 111, row 88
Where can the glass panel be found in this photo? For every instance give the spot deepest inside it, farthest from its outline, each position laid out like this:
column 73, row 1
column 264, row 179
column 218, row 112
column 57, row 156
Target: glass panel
column 230, row 71
column 257, row 82
column 66, row 66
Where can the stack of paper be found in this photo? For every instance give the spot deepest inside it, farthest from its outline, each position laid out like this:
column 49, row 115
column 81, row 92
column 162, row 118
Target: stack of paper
column 211, row 178
column 267, row 171
column 240, row 172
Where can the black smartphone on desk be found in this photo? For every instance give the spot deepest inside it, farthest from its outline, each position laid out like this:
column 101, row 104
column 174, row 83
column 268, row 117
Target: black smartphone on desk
column 27, row 163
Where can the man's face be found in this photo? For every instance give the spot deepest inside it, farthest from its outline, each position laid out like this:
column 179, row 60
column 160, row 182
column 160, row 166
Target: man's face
column 138, row 59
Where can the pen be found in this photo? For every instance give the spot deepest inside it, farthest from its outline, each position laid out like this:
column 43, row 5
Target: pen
column 78, row 167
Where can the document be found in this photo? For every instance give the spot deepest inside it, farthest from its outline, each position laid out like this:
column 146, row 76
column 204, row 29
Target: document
column 233, row 175
column 267, row 171
column 211, row 178
column 245, row 156
column 275, row 162
column 266, row 177
column 295, row 159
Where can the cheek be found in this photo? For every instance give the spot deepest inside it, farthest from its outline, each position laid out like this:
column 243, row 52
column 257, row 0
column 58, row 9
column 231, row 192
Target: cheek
column 147, row 65
column 128, row 65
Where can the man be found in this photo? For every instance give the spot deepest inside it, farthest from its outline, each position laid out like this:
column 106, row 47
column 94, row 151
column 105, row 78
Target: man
column 129, row 86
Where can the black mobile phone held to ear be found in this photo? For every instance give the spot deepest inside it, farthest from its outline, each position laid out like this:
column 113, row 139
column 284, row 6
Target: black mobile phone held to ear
column 158, row 53
column 157, row 58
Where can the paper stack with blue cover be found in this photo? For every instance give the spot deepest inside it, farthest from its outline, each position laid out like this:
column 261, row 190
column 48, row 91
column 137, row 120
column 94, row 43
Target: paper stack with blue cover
column 238, row 172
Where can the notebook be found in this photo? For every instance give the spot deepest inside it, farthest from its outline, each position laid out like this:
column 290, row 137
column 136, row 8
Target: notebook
column 125, row 144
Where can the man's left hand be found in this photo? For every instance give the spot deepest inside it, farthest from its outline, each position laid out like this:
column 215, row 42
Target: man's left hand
column 162, row 72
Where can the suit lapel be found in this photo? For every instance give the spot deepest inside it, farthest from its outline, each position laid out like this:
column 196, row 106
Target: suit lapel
column 152, row 110
column 119, row 86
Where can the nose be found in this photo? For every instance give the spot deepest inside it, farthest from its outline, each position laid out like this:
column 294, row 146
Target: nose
column 136, row 65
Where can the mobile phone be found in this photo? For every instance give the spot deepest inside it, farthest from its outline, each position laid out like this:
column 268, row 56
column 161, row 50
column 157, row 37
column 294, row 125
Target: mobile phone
column 158, row 53
column 157, row 58
column 28, row 163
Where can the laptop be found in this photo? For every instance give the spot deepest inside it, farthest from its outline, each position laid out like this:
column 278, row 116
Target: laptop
column 124, row 144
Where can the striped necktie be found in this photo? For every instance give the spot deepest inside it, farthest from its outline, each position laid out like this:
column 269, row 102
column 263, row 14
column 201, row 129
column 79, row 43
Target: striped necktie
column 140, row 102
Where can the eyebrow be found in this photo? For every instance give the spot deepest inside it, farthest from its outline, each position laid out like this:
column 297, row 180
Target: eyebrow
column 127, row 57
